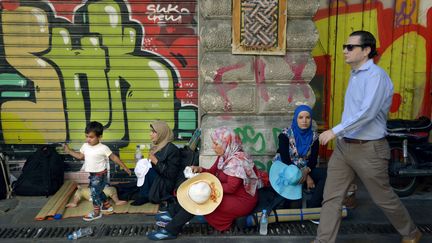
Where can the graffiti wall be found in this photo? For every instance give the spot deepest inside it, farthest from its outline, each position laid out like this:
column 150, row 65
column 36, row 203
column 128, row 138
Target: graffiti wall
column 403, row 30
column 122, row 63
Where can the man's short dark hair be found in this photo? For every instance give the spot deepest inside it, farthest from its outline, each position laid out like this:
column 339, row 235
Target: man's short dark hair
column 367, row 40
column 95, row 127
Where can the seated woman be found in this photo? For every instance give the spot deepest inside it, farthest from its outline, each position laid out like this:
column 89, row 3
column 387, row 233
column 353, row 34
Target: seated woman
column 84, row 192
column 298, row 145
column 144, row 173
column 159, row 183
column 236, row 172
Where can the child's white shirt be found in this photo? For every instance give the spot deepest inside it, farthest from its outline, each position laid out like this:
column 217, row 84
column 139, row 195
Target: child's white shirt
column 95, row 157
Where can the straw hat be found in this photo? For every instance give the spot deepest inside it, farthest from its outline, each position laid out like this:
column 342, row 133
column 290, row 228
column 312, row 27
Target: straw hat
column 201, row 194
column 284, row 180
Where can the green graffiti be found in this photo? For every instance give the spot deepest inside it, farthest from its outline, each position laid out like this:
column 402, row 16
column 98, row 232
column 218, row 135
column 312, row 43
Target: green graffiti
column 261, row 165
column 256, row 142
column 111, row 83
column 98, row 71
column 276, row 132
column 12, row 80
column 187, row 122
column 17, row 82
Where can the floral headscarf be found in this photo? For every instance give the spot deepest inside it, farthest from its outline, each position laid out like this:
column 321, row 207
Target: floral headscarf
column 164, row 135
column 235, row 162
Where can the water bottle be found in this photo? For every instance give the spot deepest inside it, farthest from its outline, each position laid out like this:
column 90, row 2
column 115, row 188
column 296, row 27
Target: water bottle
column 263, row 223
column 138, row 154
column 82, row 232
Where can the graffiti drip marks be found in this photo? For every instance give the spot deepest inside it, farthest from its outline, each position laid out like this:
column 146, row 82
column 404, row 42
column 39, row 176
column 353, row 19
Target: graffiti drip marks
column 224, row 88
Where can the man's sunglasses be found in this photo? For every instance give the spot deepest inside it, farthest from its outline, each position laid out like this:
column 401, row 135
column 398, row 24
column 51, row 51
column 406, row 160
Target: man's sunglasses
column 350, row 47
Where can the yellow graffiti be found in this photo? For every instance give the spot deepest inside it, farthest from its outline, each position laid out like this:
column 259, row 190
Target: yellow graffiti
column 404, row 60
column 407, row 70
column 21, row 40
column 96, row 74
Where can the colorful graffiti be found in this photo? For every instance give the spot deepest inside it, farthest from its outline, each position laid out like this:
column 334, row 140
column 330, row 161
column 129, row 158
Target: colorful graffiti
column 121, row 63
column 255, row 143
column 403, row 30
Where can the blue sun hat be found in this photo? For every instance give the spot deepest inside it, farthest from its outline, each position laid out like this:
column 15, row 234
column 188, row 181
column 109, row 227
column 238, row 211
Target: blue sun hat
column 284, row 180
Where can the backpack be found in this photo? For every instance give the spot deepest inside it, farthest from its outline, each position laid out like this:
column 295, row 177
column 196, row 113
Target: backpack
column 42, row 174
column 5, row 188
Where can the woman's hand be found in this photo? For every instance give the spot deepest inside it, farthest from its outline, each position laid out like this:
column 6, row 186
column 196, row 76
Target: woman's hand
column 310, row 182
column 305, row 171
column 196, row 169
column 153, row 158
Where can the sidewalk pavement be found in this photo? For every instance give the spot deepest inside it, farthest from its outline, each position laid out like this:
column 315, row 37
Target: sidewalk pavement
column 19, row 212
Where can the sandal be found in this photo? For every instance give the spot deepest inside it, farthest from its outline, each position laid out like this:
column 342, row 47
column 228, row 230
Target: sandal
column 164, row 217
column 162, row 223
column 106, row 209
column 161, row 234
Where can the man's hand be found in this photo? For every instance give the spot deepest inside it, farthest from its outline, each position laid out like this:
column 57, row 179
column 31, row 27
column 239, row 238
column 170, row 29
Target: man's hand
column 326, row 136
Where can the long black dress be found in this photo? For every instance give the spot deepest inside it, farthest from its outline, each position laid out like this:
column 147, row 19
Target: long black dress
column 168, row 169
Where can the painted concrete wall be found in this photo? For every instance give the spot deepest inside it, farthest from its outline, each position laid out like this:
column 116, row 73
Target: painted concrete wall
column 253, row 94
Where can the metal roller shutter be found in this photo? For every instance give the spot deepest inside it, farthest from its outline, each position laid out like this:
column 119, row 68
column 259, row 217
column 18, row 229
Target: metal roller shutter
column 122, row 63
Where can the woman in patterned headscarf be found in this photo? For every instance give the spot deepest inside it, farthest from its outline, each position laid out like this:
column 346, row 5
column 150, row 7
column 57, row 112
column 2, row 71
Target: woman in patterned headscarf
column 236, row 172
column 298, row 145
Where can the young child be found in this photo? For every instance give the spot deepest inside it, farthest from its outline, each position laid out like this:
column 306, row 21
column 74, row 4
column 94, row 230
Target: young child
column 84, row 193
column 96, row 156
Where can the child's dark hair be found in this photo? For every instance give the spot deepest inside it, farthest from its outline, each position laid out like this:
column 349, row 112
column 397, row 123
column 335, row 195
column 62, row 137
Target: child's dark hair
column 95, row 127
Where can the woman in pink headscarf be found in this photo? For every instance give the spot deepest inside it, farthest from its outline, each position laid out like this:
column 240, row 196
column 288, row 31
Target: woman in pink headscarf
column 236, row 172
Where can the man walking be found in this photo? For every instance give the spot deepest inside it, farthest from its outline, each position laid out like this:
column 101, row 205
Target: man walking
column 362, row 149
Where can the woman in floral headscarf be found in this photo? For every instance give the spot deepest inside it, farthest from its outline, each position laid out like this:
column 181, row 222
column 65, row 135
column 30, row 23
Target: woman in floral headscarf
column 236, row 172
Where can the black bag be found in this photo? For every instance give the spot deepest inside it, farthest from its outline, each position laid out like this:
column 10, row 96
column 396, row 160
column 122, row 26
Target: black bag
column 188, row 157
column 42, row 174
column 5, row 188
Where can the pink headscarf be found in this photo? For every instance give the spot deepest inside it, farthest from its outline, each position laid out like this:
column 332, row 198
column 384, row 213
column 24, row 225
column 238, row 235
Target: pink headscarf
column 235, row 162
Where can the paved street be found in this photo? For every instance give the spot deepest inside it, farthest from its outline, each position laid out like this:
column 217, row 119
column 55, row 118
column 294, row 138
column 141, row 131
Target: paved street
column 366, row 223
